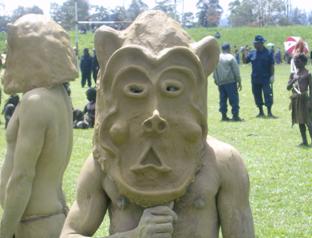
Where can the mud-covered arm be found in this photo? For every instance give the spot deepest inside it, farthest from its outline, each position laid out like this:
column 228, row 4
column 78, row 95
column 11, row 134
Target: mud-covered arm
column 87, row 213
column 31, row 132
column 233, row 197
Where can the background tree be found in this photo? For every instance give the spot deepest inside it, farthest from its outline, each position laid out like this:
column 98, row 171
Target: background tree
column 259, row 12
column 309, row 15
column 209, row 13
column 298, row 17
column 135, row 8
column 188, row 19
column 245, row 12
column 166, row 6
column 4, row 20
column 99, row 13
column 119, row 14
column 65, row 14
column 21, row 11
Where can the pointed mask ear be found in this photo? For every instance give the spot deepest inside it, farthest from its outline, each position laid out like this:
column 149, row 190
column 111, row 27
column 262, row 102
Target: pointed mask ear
column 106, row 40
column 208, row 51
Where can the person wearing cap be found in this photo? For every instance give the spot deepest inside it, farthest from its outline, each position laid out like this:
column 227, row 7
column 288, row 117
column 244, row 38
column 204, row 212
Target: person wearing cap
column 227, row 78
column 262, row 75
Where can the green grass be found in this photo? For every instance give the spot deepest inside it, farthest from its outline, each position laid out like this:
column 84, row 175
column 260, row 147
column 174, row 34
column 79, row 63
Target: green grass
column 279, row 170
column 2, row 41
column 239, row 36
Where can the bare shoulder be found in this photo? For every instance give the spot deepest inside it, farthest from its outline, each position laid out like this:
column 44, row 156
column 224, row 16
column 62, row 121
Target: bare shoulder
column 35, row 98
column 46, row 102
column 42, row 95
column 91, row 175
column 90, row 167
column 229, row 162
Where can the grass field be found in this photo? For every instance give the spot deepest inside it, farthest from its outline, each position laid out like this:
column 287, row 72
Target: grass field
column 279, row 170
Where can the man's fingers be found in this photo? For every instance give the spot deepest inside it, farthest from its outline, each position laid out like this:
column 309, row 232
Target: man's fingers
column 161, row 211
column 163, row 228
column 162, row 219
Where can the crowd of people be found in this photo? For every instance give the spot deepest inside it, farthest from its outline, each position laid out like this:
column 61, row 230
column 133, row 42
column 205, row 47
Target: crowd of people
column 89, row 68
column 227, row 78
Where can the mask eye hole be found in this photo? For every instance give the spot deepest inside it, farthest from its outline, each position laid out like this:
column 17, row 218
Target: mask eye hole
column 135, row 90
column 172, row 88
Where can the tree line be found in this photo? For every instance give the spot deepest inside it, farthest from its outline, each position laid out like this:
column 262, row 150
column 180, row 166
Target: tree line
column 208, row 13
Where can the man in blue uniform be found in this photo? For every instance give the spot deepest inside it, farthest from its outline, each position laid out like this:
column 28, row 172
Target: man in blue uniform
column 262, row 75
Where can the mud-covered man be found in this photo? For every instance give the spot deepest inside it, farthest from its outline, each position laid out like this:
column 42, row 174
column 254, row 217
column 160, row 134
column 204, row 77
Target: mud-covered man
column 39, row 135
column 152, row 169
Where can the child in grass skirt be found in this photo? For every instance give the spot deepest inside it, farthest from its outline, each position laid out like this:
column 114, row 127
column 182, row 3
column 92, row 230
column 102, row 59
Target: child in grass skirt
column 300, row 82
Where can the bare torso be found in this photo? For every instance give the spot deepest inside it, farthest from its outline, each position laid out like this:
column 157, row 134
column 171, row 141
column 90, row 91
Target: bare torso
column 218, row 197
column 46, row 196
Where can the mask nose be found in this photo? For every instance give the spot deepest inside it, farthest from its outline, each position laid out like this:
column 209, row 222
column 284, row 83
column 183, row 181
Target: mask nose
column 155, row 123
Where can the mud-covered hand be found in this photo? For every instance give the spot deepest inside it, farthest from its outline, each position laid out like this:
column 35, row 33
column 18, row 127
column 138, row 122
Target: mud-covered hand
column 156, row 222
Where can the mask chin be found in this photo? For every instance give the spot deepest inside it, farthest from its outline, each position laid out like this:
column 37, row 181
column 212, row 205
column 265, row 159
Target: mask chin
column 151, row 178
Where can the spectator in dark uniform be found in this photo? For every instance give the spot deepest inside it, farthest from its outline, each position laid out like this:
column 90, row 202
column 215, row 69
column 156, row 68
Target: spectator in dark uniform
column 95, row 66
column 86, row 68
column 262, row 75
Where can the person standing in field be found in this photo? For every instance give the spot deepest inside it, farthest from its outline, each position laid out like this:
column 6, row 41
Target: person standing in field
column 262, row 75
column 39, row 135
column 300, row 82
column 95, row 67
column 227, row 78
column 86, row 68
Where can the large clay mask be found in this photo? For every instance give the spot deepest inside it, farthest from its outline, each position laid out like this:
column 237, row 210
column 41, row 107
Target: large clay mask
column 152, row 129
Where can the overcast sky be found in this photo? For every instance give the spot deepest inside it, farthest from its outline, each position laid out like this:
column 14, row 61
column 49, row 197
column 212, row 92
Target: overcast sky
column 189, row 5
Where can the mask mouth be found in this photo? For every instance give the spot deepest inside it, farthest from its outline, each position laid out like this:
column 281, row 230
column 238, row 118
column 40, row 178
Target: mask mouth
column 150, row 161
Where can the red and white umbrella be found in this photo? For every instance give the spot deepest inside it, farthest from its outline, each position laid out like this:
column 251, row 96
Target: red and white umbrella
column 291, row 43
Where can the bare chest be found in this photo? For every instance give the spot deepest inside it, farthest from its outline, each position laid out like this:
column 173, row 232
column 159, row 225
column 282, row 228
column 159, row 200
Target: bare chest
column 196, row 210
